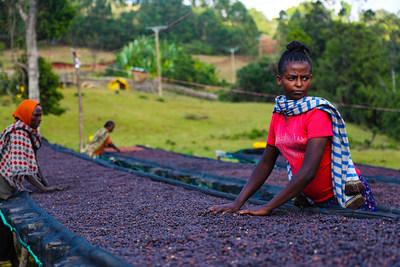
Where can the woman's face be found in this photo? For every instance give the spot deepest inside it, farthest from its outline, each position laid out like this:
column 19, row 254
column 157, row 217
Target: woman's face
column 295, row 80
column 36, row 117
column 111, row 128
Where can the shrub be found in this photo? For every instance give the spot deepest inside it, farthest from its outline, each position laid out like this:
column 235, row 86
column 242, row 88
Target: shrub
column 50, row 94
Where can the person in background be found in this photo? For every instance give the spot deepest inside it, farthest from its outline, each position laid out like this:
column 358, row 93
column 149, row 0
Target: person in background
column 311, row 135
column 100, row 141
column 19, row 143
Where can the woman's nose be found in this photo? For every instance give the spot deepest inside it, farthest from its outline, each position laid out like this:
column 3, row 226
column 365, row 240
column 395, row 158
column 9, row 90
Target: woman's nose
column 299, row 82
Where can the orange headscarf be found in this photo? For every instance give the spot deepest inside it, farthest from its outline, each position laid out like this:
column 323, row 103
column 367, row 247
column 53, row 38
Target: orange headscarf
column 24, row 111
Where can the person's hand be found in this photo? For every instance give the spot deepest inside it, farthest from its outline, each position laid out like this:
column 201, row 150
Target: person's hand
column 257, row 211
column 226, row 208
column 52, row 188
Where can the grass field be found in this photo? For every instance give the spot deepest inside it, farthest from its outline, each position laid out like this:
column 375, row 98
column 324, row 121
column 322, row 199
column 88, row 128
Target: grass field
column 179, row 123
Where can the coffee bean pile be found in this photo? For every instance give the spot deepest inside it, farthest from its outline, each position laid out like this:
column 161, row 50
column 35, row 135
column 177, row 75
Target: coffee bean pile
column 152, row 223
column 385, row 194
column 224, row 168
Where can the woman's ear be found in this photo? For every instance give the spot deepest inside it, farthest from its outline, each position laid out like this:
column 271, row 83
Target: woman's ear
column 278, row 80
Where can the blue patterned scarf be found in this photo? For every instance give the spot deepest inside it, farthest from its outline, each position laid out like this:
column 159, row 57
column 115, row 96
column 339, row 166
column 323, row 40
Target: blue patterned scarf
column 346, row 184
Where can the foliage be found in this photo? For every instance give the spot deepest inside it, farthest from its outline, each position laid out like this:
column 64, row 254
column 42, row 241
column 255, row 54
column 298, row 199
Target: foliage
column 163, row 13
column 252, row 135
column 354, row 71
column 176, row 63
column 11, row 26
column 355, row 63
column 96, row 27
column 4, row 83
column 2, row 47
column 209, row 29
column 50, row 96
column 257, row 77
column 198, row 47
column 263, row 24
column 54, row 18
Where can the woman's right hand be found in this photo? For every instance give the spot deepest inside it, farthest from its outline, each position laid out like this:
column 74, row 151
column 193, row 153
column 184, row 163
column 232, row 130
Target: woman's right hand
column 226, row 208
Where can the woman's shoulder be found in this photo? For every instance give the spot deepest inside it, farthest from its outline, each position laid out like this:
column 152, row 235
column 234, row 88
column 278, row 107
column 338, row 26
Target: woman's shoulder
column 318, row 113
column 20, row 132
column 276, row 116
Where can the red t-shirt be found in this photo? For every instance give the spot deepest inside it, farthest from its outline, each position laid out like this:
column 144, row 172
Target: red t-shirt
column 291, row 139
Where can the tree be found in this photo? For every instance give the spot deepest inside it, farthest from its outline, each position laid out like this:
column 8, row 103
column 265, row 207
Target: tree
column 103, row 24
column 389, row 25
column 48, row 84
column 317, row 24
column 257, row 77
column 163, row 13
column 351, row 70
column 54, row 17
column 176, row 63
column 10, row 25
column 354, row 62
column 268, row 27
column 30, row 18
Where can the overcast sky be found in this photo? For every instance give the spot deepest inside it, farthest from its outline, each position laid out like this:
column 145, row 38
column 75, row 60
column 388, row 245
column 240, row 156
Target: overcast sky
column 271, row 8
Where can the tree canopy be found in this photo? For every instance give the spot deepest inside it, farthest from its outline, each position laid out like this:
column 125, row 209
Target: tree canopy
column 355, row 63
column 208, row 29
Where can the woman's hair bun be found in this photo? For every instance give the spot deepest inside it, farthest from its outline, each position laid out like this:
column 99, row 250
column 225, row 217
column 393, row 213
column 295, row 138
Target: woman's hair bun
column 298, row 46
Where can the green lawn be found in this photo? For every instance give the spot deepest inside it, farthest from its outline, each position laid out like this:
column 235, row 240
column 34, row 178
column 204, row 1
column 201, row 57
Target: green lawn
column 179, row 123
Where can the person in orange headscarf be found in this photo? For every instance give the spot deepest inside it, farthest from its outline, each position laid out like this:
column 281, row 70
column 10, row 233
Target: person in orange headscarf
column 25, row 110
column 18, row 145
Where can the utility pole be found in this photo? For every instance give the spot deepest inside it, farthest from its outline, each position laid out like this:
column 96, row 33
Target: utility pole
column 233, row 50
column 157, row 29
column 77, row 64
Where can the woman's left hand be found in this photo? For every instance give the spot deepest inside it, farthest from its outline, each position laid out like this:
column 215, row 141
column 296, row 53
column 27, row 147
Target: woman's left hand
column 257, row 211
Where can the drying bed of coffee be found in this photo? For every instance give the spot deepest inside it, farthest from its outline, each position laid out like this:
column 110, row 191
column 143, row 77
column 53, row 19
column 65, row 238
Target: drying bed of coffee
column 146, row 222
column 385, row 194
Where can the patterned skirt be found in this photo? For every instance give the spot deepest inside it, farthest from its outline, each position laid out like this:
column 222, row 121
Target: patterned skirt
column 369, row 199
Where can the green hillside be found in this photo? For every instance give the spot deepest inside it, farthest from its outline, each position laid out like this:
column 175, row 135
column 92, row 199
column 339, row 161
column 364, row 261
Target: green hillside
column 179, row 123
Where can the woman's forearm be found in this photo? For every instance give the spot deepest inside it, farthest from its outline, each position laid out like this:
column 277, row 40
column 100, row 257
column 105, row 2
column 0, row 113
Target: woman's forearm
column 259, row 174
column 307, row 172
column 31, row 179
column 255, row 181
column 42, row 178
column 291, row 190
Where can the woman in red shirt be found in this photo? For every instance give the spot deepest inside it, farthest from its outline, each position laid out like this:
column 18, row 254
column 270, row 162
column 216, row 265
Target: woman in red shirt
column 310, row 134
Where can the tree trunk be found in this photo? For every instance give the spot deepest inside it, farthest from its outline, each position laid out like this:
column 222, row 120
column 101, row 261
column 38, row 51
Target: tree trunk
column 33, row 55
column 31, row 47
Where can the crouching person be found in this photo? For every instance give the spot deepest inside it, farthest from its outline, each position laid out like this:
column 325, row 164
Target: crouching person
column 19, row 143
